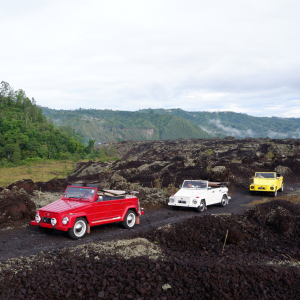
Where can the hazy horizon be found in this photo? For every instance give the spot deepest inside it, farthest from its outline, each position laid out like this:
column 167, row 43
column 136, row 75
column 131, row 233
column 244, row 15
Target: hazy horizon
column 199, row 56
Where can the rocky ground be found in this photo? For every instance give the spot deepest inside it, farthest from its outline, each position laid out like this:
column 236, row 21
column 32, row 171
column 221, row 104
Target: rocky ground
column 234, row 252
column 164, row 163
column 187, row 259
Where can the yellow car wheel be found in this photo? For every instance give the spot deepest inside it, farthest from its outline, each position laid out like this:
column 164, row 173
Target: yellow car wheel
column 281, row 190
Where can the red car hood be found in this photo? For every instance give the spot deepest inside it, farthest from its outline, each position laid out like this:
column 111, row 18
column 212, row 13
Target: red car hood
column 60, row 206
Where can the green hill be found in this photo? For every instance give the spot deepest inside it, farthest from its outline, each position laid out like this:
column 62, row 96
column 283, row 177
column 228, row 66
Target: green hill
column 164, row 124
column 108, row 125
column 25, row 133
column 239, row 125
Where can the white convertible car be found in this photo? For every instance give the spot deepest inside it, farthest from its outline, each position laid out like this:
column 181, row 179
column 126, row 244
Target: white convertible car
column 199, row 194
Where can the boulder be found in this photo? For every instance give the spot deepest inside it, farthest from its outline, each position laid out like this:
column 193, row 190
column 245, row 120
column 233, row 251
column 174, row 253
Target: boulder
column 281, row 221
column 283, row 170
column 16, row 206
column 235, row 236
column 219, row 173
column 27, row 184
column 256, row 215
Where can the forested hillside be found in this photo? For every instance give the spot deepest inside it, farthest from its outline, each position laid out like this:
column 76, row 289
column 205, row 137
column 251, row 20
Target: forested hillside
column 25, row 133
column 108, row 125
column 239, row 125
column 164, row 124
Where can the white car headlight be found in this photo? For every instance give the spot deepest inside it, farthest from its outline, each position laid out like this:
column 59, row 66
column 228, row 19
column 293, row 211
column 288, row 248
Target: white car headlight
column 195, row 201
column 65, row 220
column 171, row 199
column 37, row 217
column 53, row 221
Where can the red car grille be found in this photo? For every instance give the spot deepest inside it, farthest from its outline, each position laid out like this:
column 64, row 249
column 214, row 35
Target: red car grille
column 46, row 220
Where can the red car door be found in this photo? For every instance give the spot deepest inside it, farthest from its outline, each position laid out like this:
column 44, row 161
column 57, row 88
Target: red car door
column 117, row 207
column 102, row 210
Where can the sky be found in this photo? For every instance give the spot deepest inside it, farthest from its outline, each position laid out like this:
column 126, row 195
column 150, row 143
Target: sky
column 235, row 55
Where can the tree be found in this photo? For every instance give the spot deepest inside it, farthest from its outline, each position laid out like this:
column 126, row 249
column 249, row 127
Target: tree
column 16, row 156
column 2, row 140
column 26, row 133
column 42, row 151
column 20, row 97
column 8, row 150
column 91, row 145
column 4, row 89
column 111, row 152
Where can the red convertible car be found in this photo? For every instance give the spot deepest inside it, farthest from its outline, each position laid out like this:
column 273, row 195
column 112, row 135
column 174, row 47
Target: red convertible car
column 82, row 207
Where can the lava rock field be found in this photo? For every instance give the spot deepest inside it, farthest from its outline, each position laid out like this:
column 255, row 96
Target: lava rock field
column 256, row 261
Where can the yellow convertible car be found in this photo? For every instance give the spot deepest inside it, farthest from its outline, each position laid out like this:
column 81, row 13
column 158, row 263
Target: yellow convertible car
column 267, row 182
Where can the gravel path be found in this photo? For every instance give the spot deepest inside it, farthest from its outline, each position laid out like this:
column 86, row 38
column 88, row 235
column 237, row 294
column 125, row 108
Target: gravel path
column 171, row 255
column 27, row 240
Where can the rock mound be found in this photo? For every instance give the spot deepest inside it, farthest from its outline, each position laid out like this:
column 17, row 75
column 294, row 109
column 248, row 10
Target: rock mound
column 15, row 206
column 27, row 184
column 235, row 236
column 279, row 215
column 177, row 261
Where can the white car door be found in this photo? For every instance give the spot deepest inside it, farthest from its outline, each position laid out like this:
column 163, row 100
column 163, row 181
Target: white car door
column 210, row 196
column 215, row 195
column 218, row 195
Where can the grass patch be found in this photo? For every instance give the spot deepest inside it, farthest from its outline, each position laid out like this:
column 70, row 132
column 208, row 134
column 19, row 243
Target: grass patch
column 257, row 202
column 42, row 172
column 293, row 199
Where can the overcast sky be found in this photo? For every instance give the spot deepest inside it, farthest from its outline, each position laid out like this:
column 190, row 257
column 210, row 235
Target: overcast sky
column 241, row 56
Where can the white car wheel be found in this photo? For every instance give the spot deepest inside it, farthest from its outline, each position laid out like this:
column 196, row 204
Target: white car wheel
column 201, row 207
column 79, row 229
column 129, row 220
column 223, row 201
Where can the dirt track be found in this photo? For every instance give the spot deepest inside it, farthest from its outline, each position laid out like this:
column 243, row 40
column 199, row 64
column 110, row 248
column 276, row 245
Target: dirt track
column 27, row 240
column 171, row 255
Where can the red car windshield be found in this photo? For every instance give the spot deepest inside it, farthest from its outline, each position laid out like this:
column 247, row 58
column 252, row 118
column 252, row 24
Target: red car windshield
column 81, row 193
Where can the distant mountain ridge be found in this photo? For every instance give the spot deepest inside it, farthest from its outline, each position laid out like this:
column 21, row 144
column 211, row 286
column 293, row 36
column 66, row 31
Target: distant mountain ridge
column 239, row 125
column 170, row 124
column 109, row 126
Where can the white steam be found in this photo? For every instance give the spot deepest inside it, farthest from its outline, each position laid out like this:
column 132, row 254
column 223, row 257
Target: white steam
column 230, row 131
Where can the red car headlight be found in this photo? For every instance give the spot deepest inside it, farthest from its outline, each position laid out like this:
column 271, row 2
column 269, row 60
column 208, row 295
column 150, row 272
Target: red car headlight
column 37, row 217
column 65, row 220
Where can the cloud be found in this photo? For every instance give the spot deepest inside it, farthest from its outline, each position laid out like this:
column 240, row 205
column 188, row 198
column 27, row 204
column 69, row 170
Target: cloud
column 129, row 55
column 230, row 131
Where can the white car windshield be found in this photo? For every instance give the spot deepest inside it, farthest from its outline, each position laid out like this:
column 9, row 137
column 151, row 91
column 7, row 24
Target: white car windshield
column 194, row 184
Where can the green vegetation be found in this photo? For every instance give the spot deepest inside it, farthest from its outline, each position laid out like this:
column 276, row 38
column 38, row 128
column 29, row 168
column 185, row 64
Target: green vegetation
column 269, row 155
column 107, row 125
column 161, row 124
column 294, row 199
column 209, row 152
column 221, row 124
column 27, row 137
column 42, row 172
